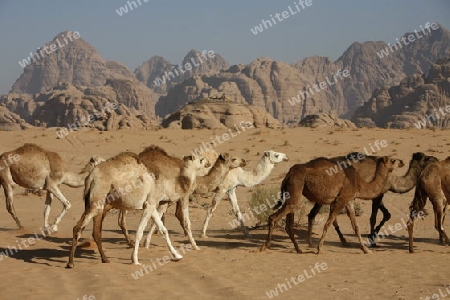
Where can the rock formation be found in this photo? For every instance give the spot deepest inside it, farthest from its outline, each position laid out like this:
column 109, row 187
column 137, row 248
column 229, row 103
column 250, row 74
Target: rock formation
column 417, row 102
column 219, row 114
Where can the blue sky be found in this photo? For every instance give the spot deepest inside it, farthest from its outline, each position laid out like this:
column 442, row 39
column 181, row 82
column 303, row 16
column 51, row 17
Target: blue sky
column 172, row 28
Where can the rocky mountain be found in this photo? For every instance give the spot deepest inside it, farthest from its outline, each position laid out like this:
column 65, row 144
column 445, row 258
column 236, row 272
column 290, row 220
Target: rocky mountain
column 216, row 113
column 161, row 75
column 325, row 120
column 11, row 121
column 418, row 101
column 67, row 105
column 75, row 62
column 271, row 84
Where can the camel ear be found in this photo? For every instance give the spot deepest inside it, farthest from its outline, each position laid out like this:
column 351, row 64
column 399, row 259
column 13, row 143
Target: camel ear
column 222, row 156
column 267, row 153
column 189, row 157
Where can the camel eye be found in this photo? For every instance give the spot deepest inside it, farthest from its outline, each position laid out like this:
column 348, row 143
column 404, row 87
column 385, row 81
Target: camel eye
column 276, row 155
column 234, row 159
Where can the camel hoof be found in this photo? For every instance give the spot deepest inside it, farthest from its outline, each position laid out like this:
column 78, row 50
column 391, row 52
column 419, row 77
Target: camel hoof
column 106, row 261
column 137, row 263
column 196, row 247
column 70, row 266
column 204, row 236
column 177, row 257
column 263, row 247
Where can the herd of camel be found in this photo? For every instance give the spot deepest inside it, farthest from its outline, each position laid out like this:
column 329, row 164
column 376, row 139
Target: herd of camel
column 152, row 180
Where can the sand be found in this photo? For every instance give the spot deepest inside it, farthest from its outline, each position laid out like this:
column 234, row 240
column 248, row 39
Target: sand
column 228, row 265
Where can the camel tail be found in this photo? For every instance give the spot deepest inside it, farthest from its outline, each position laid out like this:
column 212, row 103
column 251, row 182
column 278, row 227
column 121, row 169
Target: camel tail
column 89, row 185
column 420, row 199
column 282, row 193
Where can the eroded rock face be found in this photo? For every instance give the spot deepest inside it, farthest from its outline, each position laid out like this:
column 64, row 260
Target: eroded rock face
column 76, row 62
column 271, row 84
column 416, row 102
column 219, row 114
column 325, row 120
column 155, row 72
column 11, row 121
column 76, row 106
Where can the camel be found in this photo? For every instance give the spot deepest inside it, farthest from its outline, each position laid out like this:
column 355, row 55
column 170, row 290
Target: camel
column 127, row 172
column 240, row 177
column 205, row 184
column 366, row 168
column 35, row 168
column 312, row 181
column 170, row 187
column 434, row 183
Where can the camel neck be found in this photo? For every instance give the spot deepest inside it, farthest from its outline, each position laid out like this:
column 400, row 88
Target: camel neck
column 405, row 183
column 372, row 189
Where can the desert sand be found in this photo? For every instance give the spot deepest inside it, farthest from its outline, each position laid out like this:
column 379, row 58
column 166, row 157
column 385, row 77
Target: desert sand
column 228, row 265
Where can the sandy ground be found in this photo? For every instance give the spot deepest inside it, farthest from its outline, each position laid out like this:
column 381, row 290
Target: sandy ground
column 228, row 265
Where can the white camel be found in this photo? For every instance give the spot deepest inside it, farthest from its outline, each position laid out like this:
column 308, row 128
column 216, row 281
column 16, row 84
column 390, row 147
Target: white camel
column 240, row 177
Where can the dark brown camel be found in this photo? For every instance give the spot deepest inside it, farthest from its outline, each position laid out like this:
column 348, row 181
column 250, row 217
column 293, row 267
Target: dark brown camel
column 312, row 181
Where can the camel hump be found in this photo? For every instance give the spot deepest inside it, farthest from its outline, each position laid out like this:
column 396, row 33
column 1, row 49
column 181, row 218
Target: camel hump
column 418, row 156
column 126, row 157
column 154, row 148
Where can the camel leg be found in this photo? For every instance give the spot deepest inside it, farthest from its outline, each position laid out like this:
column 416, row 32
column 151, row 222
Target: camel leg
column 273, row 218
column 77, row 230
column 97, row 234
column 311, row 216
column 351, row 214
column 66, row 204
column 47, row 207
column 178, row 214
column 162, row 208
column 237, row 211
column 377, row 204
column 439, row 215
column 187, row 222
column 122, row 221
column 290, row 230
column 9, row 196
column 410, row 226
column 151, row 211
column 216, row 200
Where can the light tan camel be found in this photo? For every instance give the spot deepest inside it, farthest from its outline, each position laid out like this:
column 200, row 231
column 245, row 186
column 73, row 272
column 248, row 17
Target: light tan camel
column 434, row 183
column 124, row 182
column 240, row 177
column 173, row 184
column 312, row 181
column 34, row 168
column 205, row 184
column 366, row 168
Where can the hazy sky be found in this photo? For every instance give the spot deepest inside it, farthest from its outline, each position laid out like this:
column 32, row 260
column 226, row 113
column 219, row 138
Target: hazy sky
column 172, row 28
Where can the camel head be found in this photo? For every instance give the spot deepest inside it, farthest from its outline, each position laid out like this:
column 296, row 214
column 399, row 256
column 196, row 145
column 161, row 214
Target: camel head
column 275, row 157
column 232, row 161
column 199, row 163
column 391, row 163
column 92, row 163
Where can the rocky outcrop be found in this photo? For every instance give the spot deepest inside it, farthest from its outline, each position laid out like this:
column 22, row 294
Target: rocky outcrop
column 11, row 121
column 417, row 101
column 325, row 120
column 113, row 106
column 75, row 62
column 161, row 75
column 219, row 114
